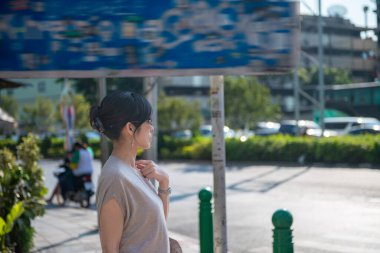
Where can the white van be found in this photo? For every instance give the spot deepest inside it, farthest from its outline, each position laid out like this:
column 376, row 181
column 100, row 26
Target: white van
column 342, row 125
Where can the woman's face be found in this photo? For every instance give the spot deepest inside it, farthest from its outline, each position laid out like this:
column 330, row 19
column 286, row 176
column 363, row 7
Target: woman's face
column 144, row 135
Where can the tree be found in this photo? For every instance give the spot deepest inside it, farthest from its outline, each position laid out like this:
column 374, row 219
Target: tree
column 9, row 105
column 247, row 102
column 89, row 87
column 177, row 114
column 82, row 112
column 331, row 76
column 309, row 77
column 39, row 116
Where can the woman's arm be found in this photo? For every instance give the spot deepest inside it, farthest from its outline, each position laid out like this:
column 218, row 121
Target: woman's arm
column 110, row 226
column 163, row 193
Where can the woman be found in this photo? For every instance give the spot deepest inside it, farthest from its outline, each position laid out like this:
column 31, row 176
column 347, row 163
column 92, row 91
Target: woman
column 131, row 213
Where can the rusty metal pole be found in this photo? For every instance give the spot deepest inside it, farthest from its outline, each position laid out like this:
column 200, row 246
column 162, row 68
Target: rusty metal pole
column 218, row 162
column 151, row 90
column 104, row 146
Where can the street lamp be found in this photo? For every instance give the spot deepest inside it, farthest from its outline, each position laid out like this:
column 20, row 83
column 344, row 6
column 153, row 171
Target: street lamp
column 365, row 9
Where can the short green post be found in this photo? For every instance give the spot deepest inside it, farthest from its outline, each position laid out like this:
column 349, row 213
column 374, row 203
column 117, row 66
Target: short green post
column 206, row 235
column 282, row 234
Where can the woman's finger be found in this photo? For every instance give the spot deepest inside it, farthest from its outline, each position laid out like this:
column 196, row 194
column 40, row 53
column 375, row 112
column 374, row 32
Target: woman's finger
column 145, row 162
column 150, row 175
column 147, row 171
column 140, row 166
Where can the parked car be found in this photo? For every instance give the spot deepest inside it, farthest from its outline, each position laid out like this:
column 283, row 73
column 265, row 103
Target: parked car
column 206, row 130
column 243, row 134
column 183, row 134
column 93, row 135
column 267, row 128
column 365, row 130
column 343, row 125
column 306, row 128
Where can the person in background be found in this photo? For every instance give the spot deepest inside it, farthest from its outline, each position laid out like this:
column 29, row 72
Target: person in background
column 81, row 163
column 61, row 188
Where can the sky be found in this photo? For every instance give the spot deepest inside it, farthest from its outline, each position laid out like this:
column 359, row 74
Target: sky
column 354, row 8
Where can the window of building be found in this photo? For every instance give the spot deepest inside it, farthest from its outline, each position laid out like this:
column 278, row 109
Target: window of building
column 41, row 87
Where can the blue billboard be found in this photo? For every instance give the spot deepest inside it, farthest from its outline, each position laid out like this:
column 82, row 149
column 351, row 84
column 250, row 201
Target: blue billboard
column 100, row 38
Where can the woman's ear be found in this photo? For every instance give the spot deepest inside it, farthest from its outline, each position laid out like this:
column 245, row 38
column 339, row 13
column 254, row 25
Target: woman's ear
column 130, row 128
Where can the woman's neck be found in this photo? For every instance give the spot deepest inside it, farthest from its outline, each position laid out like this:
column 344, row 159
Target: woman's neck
column 125, row 152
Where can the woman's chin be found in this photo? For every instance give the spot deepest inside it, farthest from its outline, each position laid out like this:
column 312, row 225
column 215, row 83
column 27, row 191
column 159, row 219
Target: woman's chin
column 147, row 147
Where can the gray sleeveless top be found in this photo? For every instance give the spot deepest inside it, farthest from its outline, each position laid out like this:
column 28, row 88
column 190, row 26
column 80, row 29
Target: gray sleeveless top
column 144, row 229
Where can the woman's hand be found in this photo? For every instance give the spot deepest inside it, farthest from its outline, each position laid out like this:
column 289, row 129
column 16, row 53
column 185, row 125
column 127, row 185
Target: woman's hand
column 150, row 170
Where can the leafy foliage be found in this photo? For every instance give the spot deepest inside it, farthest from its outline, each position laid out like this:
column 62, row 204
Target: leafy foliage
column 38, row 116
column 279, row 148
column 21, row 182
column 247, row 102
column 88, row 86
column 331, row 76
column 177, row 114
column 309, row 76
column 9, row 104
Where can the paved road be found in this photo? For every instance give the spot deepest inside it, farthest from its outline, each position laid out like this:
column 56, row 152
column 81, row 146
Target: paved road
column 334, row 209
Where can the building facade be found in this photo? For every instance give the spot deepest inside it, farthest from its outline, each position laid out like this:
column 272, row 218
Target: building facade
column 342, row 45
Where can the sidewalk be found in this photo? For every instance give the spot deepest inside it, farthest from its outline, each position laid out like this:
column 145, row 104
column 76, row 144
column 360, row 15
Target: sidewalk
column 74, row 229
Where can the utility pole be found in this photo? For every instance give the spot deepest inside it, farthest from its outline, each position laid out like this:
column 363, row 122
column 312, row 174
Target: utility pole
column 378, row 40
column 104, row 148
column 218, row 163
column 151, row 93
column 321, row 82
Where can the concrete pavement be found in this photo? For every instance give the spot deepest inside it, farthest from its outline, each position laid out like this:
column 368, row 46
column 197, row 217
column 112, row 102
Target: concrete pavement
column 74, row 229
column 335, row 210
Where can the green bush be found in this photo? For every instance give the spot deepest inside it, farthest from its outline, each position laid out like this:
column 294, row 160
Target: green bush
column 279, row 148
column 275, row 148
column 21, row 181
column 172, row 148
column 9, row 144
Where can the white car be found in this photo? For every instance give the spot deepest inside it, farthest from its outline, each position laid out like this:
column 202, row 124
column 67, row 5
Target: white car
column 343, row 125
column 206, row 130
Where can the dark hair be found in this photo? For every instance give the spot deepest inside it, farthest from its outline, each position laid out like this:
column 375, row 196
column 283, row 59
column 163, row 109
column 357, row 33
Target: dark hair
column 79, row 145
column 116, row 110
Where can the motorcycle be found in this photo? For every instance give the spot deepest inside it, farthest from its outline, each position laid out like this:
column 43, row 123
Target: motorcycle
column 83, row 190
column 76, row 189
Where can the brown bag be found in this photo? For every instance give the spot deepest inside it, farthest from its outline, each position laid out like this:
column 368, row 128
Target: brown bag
column 174, row 246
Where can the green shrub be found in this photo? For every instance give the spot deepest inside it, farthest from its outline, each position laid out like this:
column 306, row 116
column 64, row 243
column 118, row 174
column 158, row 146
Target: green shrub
column 279, row 148
column 9, row 144
column 21, row 181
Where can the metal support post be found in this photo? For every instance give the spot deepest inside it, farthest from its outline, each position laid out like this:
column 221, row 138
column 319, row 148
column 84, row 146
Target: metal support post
column 104, row 147
column 218, row 162
column 321, row 82
column 151, row 90
column 296, row 90
column 378, row 40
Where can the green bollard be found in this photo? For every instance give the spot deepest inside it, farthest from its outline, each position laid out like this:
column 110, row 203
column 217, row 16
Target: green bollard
column 282, row 234
column 206, row 235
